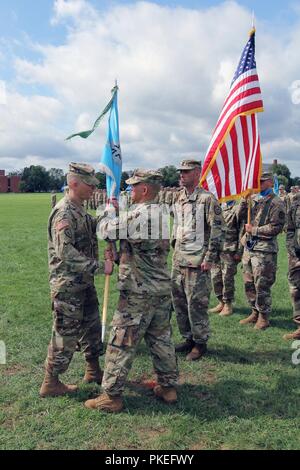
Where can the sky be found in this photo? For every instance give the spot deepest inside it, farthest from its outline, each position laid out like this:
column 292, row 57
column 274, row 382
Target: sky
column 174, row 62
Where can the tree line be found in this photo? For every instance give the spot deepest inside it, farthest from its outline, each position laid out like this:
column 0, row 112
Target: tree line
column 36, row 178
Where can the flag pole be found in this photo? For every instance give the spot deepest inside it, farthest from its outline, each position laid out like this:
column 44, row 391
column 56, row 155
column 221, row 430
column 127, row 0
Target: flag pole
column 249, row 209
column 105, row 305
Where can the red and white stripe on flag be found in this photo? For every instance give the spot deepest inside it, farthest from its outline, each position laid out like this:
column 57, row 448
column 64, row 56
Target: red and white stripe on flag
column 232, row 165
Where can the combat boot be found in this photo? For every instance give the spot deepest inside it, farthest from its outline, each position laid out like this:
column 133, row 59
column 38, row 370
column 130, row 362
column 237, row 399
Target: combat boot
column 185, row 346
column 93, row 373
column 227, row 310
column 197, row 352
column 295, row 335
column 167, row 394
column 105, row 402
column 52, row 387
column 251, row 319
column 217, row 309
column 262, row 322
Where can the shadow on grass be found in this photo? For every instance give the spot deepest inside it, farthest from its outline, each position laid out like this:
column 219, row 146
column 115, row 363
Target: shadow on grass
column 240, row 356
column 226, row 399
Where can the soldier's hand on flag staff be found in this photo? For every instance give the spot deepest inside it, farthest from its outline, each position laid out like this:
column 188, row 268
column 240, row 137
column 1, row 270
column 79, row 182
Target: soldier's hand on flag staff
column 206, row 266
column 108, row 262
column 248, row 228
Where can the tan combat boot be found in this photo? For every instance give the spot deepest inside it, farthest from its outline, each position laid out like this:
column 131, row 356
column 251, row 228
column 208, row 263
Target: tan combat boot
column 197, row 352
column 105, row 402
column 52, row 387
column 217, row 309
column 93, row 373
column 262, row 322
column 295, row 335
column 251, row 319
column 227, row 310
column 167, row 394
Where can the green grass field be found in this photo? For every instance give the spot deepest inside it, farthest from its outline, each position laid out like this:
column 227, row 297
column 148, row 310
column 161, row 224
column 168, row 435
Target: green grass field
column 243, row 395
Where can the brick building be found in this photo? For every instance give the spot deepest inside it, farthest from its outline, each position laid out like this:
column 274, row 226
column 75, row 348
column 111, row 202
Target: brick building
column 9, row 184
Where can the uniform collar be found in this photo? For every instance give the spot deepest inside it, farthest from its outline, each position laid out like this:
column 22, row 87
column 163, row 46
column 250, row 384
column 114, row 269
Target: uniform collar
column 193, row 195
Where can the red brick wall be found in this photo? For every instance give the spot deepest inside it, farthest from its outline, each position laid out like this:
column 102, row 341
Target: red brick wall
column 3, row 184
column 15, row 184
column 2, row 172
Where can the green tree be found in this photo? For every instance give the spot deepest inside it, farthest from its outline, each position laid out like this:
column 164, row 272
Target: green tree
column 56, row 179
column 124, row 177
column 102, row 180
column 170, row 176
column 35, row 179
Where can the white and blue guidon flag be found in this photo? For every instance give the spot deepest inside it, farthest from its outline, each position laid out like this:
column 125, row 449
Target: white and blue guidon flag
column 111, row 161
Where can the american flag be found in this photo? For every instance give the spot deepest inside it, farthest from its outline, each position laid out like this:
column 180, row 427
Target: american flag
column 232, row 164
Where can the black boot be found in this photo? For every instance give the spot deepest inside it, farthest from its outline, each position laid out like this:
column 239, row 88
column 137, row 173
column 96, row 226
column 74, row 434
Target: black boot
column 185, row 346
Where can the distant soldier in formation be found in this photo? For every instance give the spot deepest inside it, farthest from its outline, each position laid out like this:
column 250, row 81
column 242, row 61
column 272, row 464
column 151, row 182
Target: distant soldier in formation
column 224, row 272
column 53, row 200
column 73, row 263
column 260, row 254
column 293, row 247
column 144, row 302
column 196, row 243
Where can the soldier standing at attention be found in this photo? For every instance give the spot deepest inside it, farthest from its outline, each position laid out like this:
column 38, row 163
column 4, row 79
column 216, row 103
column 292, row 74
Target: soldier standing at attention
column 53, row 200
column 293, row 247
column 260, row 254
column 197, row 239
column 144, row 303
column 73, row 262
column 224, row 272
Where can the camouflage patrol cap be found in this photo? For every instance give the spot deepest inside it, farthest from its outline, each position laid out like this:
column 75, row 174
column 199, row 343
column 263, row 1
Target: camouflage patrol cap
column 189, row 165
column 144, row 176
column 84, row 172
column 281, row 186
column 266, row 176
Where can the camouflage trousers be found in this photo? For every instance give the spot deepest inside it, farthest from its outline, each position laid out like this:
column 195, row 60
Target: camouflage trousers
column 191, row 289
column 259, row 273
column 76, row 320
column 137, row 317
column 222, row 276
column 294, row 285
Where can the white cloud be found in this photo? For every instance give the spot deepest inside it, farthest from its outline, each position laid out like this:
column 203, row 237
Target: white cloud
column 77, row 10
column 174, row 67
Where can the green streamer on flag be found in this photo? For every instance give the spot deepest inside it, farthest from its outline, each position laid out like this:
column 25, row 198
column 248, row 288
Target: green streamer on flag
column 85, row 134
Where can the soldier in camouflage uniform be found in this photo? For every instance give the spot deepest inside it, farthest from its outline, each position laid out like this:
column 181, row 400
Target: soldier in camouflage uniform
column 53, row 200
column 293, row 247
column 260, row 254
column 224, row 272
column 73, row 262
column 197, row 237
column 144, row 304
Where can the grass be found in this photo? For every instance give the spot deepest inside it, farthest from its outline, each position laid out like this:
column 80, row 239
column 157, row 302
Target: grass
column 243, row 395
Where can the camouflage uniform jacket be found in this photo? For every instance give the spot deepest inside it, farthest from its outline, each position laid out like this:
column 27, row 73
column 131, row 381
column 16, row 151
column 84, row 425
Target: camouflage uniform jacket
column 202, row 218
column 293, row 230
column 235, row 219
column 72, row 247
column 143, row 259
column 266, row 234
